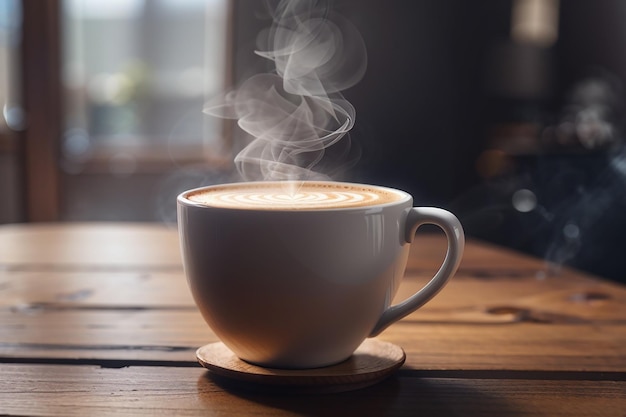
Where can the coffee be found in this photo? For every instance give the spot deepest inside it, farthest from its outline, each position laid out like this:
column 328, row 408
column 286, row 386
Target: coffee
column 287, row 195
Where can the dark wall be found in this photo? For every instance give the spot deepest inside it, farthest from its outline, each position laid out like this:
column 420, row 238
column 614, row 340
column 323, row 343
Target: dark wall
column 419, row 106
column 442, row 76
column 591, row 37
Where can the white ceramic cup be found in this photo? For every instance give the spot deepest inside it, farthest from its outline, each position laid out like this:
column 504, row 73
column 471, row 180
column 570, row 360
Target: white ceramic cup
column 304, row 288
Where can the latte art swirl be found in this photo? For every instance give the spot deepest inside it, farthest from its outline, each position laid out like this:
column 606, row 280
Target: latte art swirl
column 307, row 198
column 285, row 196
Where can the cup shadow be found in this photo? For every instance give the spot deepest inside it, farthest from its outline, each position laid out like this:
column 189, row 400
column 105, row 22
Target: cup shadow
column 402, row 394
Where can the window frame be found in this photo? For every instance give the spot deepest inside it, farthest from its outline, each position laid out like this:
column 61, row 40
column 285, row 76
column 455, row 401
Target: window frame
column 39, row 143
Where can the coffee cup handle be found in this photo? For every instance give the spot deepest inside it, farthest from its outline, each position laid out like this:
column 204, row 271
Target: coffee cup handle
column 416, row 217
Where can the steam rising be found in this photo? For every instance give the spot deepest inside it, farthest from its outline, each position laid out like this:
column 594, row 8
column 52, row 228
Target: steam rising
column 294, row 114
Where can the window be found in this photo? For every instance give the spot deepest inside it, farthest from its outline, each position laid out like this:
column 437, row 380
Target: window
column 136, row 73
column 134, row 77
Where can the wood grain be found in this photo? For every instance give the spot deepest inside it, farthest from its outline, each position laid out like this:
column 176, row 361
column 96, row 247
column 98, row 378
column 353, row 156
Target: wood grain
column 174, row 335
column 46, row 390
column 111, row 246
column 510, row 334
column 476, row 323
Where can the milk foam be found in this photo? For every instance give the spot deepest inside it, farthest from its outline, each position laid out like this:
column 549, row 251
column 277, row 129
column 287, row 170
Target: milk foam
column 293, row 196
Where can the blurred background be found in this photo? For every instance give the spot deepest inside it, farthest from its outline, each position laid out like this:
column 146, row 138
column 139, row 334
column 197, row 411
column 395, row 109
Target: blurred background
column 510, row 113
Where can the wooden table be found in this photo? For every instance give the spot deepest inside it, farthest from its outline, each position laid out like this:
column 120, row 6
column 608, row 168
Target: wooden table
column 96, row 319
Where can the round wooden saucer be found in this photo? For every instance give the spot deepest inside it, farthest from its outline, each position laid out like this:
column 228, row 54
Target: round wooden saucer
column 372, row 362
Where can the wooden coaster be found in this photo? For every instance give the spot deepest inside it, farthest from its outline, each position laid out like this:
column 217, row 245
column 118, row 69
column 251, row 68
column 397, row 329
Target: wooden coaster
column 372, row 362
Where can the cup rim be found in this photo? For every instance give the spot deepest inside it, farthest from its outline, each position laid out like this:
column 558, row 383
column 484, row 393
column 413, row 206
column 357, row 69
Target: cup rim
column 183, row 198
